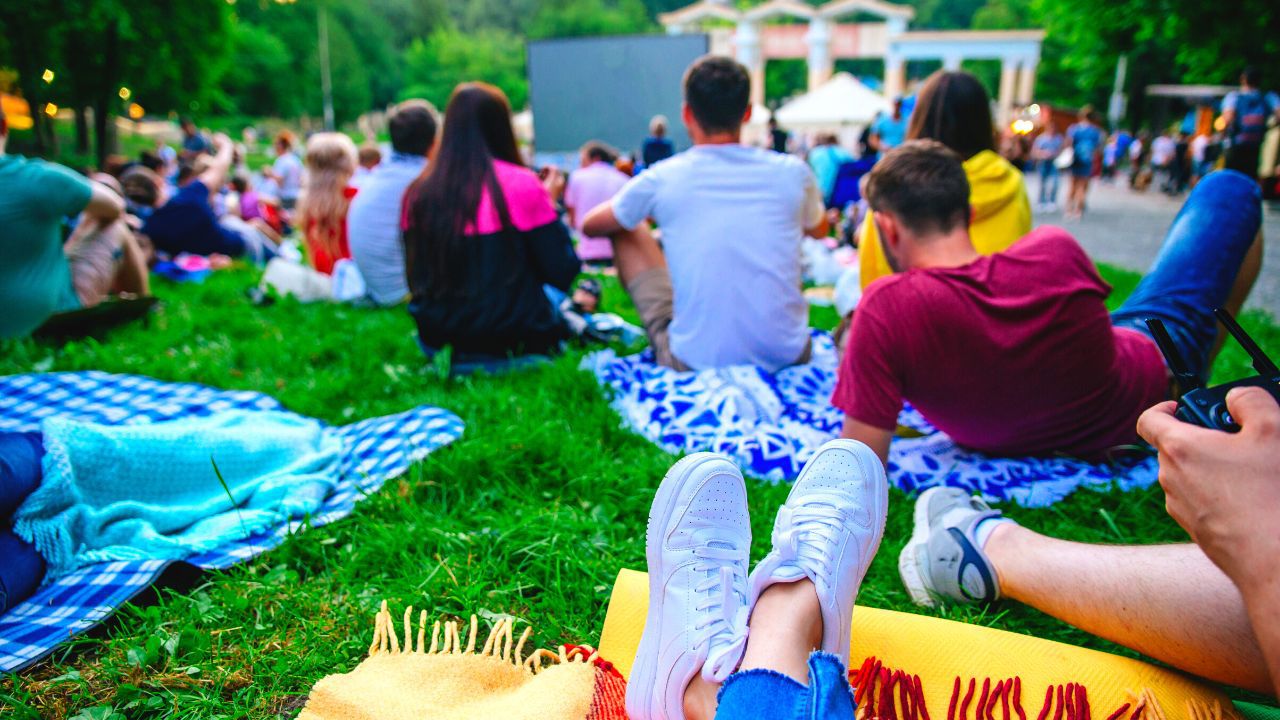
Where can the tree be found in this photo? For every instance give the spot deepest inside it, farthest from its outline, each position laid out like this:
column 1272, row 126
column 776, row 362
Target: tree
column 433, row 67
column 577, row 18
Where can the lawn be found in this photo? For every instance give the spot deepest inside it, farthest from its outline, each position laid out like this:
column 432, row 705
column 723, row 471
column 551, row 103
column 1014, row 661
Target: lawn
column 530, row 514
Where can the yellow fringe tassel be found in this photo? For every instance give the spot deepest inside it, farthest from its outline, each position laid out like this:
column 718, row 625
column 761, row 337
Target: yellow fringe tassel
column 446, row 639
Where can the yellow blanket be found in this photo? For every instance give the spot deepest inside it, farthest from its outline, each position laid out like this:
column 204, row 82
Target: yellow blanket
column 945, row 654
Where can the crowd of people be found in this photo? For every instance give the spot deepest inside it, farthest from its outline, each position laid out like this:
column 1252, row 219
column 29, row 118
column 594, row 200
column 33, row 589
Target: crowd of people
column 996, row 332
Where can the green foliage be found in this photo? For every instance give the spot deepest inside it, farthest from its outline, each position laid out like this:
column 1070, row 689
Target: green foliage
column 576, row 18
column 784, row 79
column 258, row 78
column 432, row 67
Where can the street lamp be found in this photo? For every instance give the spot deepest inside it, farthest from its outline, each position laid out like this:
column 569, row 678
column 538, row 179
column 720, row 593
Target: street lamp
column 47, row 76
column 125, row 93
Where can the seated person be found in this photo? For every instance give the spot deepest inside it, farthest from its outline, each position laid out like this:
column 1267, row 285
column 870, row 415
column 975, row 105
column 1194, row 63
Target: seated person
column 953, row 108
column 1014, row 353
column 482, row 239
column 724, row 286
column 322, row 207
column 40, row 275
column 719, row 643
column 186, row 221
column 1208, row 608
column 369, row 158
column 593, row 184
column 825, row 158
column 373, row 221
column 657, row 147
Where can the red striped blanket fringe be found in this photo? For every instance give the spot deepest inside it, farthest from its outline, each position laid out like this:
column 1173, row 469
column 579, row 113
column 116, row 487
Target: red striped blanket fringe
column 883, row 693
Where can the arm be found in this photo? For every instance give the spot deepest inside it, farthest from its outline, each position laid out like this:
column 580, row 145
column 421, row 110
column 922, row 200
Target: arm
column 873, row 437
column 601, row 222
column 104, row 205
column 216, row 174
column 816, row 224
column 551, row 249
column 1222, row 489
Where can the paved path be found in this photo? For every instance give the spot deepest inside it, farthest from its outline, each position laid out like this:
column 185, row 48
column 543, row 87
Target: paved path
column 1125, row 228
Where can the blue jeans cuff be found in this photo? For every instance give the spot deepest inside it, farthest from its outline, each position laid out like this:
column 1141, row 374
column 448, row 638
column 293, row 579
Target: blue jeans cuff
column 762, row 693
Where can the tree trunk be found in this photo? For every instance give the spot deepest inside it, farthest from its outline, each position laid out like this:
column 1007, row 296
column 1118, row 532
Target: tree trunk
column 31, row 93
column 82, row 130
column 102, row 107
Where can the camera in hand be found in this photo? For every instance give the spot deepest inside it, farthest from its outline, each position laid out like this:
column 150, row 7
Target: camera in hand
column 1207, row 406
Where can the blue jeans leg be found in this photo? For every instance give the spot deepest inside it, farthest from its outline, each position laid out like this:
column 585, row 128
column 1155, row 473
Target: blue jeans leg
column 21, row 567
column 1197, row 265
column 1048, row 182
column 765, row 694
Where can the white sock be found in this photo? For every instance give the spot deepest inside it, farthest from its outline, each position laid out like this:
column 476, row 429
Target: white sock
column 982, row 533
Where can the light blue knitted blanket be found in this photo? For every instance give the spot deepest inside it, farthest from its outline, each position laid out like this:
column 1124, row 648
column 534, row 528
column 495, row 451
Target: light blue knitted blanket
column 125, row 492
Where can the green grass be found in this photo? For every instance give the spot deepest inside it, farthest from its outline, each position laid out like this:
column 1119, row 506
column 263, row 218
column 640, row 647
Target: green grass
column 530, row 514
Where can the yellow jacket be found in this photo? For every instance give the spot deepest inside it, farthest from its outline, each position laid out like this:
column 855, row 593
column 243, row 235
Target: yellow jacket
column 1001, row 214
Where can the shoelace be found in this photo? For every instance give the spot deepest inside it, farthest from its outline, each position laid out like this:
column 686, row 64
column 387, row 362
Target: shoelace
column 724, row 611
column 824, row 515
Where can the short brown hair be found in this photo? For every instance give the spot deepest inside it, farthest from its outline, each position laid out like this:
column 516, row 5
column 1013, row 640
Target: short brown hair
column 923, row 184
column 413, row 127
column 718, row 91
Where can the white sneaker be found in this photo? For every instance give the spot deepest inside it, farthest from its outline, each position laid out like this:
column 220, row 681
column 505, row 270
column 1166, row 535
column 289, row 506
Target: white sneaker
column 828, row 530
column 697, row 545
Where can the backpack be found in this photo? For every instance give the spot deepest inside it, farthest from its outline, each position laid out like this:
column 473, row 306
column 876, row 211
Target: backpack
column 1250, row 123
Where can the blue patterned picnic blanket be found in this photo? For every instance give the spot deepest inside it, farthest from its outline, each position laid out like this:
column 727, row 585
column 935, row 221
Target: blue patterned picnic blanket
column 374, row 451
column 771, row 423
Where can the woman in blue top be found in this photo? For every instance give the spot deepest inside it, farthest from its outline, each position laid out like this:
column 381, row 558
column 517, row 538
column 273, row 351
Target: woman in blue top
column 1085, row 139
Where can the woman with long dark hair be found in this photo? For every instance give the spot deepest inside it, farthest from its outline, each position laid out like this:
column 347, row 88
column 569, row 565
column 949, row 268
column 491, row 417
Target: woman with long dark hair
column 483, row 238
column 954, row 109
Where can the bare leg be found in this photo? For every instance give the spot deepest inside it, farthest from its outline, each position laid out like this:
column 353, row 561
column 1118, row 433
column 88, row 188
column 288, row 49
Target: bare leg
column 635, row 251
column 786, row 626
column 266, row 229
column 1166, row 601
column 1245, row 278
column 131, row 276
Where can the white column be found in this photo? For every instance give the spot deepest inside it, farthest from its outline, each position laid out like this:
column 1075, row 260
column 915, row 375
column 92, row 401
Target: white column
column 1027, row 82
column 746, row 43
column 821, row 66
column 1008, row 81
column 895, row 75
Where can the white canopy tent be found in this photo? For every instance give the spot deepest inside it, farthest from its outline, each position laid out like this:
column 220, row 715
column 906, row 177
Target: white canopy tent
column 842, row 105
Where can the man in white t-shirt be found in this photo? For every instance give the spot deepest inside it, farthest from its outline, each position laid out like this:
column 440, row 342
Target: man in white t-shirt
column 724, row 287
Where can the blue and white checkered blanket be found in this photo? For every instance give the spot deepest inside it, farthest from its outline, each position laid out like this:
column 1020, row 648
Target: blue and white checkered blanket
column 771, row 424
column 375, row 450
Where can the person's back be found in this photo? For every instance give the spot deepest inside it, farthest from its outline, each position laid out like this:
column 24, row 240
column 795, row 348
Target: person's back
column 373, row 226
column 589, row 186
column 826, row 160
column 657, row 147
column 732, row 218
column 1011, row 354
column 377, row 211
column 186, row 223
column 35, row 279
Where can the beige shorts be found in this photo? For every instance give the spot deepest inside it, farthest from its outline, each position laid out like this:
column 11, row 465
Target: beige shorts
column 653, row 298
column 95, row 257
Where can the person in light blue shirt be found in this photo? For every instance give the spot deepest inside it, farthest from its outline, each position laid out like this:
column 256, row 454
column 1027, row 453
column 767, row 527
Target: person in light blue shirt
column 374, row 220
column 826, row 158
column 890, row 130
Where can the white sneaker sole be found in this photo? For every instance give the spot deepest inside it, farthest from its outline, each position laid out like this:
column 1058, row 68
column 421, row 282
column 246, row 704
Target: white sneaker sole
column 644, row 674
column 908, row 564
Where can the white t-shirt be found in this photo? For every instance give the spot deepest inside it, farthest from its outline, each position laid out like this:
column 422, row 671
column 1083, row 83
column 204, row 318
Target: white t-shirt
column 732, row 218
column 1198, row 145
column 1162, row 150
column 289, row 168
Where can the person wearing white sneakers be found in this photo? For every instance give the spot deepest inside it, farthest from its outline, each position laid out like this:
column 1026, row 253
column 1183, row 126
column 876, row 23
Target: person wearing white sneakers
column 1207, row 608
column 721, row 644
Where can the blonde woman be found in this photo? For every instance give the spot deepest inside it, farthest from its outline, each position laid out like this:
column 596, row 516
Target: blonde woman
column 326, row 194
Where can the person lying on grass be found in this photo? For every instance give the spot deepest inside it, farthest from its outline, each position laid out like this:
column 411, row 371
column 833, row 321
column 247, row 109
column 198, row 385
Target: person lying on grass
column 721, row 643
column 1208, row 608
column 1014, row 353
column 40, row 274
column 724, row 288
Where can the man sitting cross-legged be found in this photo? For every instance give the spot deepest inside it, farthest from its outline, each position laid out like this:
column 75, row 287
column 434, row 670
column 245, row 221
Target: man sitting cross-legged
column 724, row 287
column 1014, row 353
column 1210, row 608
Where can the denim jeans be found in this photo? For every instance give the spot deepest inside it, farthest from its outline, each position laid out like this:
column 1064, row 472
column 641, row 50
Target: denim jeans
column 765, row 694
column 1048, row 182
column 1197, row 266
column 21, row 567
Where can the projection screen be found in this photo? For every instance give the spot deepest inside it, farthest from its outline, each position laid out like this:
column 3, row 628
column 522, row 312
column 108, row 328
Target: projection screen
column 607, row 88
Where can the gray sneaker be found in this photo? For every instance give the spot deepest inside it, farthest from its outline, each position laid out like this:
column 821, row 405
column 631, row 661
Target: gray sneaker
column 943, row 559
